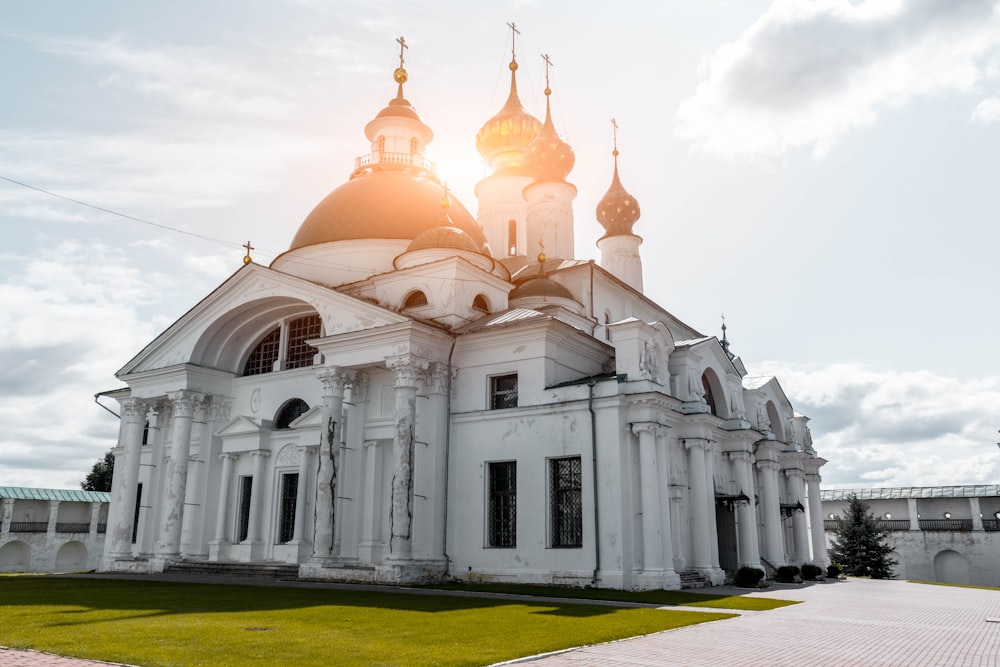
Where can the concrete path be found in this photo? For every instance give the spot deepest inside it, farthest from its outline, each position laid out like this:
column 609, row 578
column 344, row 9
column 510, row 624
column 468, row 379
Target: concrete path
column 854, row 623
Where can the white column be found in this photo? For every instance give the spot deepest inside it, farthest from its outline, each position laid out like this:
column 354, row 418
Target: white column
column 652, row 538
column 333, row 379
column 746, row 513
column 774, row 544
column 818, row 533
column 353, row 466
column 8, row 514
column 216, row 410
column 183, row 403
column 977, row 518
column 663, row 447
column 305, row 458
column 255, row 527
column 123, row 502
column 431, row 463
column 152, row 495
column 699, row 504
column 800, row 536
column 713, row 526
column 225, row 483
column 911, row 507
column 371, row 503
column 50, row 533
column 408, row 370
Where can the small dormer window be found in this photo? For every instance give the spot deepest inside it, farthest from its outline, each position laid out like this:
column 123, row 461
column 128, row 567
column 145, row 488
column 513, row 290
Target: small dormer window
column 511, row 238
column 480, row 304
column 415, row 299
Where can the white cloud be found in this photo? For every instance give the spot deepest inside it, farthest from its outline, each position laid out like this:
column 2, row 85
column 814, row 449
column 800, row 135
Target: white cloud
column 806, row 73
column 880, row 428
column 987, row 111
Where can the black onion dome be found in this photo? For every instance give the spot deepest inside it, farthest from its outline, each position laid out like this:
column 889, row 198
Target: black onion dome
column 444, row 236
column 618, row 210
column 539, row 287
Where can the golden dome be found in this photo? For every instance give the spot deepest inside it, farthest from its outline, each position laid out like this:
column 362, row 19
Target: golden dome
column 549, row 158
column 503, row 139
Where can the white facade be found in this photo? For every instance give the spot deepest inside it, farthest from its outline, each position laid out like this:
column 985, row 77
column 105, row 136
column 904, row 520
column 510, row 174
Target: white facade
column 51, row 530
column 949, row 534
column 392, row 400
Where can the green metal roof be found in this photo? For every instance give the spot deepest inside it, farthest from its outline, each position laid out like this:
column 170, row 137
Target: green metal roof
column 65, row 495
column 885, row 493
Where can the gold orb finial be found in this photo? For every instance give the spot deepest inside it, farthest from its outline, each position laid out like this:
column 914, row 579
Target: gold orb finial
column 246, row 258
column 542, row 258
column 400, row 75
column 513, row 66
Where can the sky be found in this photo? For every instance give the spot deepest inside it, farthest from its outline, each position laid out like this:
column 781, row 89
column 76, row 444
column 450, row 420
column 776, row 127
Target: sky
column 822, row 172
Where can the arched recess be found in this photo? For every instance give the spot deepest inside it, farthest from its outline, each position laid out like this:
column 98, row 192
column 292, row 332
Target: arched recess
column 229, row 341
column 481, row 304
column 715, row 394
column 777, row 427
column 951, row 567
column 289, row 411
column 415, row 299
column 15, row 557
column 71, row 556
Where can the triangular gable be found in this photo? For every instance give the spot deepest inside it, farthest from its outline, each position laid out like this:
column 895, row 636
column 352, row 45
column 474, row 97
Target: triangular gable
column 712, row 346
column 768, row 384
column 240, row 426
column 254, row 291
column 313, row 417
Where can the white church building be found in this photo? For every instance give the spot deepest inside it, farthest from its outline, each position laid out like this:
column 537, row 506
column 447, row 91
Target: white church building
column 413, row 393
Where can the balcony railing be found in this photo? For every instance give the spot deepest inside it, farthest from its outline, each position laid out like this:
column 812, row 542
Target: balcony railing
column 887, row 524
column 368, row 162
column 946, row 524
column 939, row 525
column 29, row 526
column 72, row 527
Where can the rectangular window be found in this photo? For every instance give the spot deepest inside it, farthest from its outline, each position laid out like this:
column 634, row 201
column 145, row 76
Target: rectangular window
column 243, row 517
column 503, row 391
column 567, row 502
column 501, row 505
column 286, row 519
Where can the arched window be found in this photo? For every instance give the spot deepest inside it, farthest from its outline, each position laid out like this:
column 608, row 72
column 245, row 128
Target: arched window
column 289, row 411
column 706, row 384
column 480, row 303
column 511, row 238
column 264, row 355
column 414, row 146
column 299, row 352
column 380, row 144
column 777, row 427
column 607, row 325
column 414, row 299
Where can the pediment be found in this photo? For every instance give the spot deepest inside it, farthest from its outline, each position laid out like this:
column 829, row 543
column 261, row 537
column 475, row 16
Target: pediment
column 221, row 327
column 240, row 425
column 313, row 417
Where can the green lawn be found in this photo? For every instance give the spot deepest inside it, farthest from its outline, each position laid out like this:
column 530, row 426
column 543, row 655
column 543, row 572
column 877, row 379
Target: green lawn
column 671, row 598
column 159, row 624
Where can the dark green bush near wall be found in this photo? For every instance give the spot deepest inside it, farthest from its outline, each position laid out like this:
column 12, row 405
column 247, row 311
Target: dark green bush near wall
column 748, row 577
column 787, row 573
column 833, row 571
column 810, row 571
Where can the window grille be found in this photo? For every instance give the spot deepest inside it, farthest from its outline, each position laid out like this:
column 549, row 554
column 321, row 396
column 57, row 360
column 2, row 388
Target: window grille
column 501, row 512
column 286, row 520
column 503, row 391
column 243, row 518
column 300, row 353
column 264, row 355
column 567, row 502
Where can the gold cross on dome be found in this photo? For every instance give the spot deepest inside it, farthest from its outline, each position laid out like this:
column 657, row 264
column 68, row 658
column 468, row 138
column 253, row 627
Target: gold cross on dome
column 614, row 124
column 402, row 45
column 247, row 260
column 513, row 31
column 548, row 64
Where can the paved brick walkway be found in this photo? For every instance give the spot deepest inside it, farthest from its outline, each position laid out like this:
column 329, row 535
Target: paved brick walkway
column 854, row 623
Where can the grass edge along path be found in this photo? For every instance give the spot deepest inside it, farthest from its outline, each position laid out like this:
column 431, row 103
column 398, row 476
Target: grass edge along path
column 657, row 597
column 158, row 624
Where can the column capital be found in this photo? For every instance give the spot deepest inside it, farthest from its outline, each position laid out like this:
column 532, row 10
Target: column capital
column 657, row 430
column 8, row 502
column 767, row 464
column 234, row 456
column 691, row 443
column 408, row 368
column 437, row 378
column 744, row 456
column 133, row 409
column 183, row 402
column 334, row 379
column 217, row 408
column 307, row 449
column 794, row 473
column 813, row 477
column 263, row 453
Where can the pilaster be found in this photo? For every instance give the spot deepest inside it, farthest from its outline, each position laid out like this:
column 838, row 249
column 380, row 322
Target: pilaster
column 334, row 380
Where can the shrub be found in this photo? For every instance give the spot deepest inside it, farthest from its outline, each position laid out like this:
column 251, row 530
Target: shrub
column 833, row 571
column 787, row 573
column 810, row 571
column 748, row 577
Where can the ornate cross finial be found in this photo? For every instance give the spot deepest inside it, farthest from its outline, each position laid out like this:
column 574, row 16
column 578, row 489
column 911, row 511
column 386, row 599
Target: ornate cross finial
column 548, row 64
column 402, row 45
column 513, row 31
column 246, row 259
column 614, row 133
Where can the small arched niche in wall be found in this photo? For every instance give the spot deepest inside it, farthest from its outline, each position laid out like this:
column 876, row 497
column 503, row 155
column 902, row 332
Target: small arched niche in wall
column 289, row 411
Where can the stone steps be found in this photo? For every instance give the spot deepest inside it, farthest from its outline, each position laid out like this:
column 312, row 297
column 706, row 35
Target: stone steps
column 693, row 579
column 217, row 569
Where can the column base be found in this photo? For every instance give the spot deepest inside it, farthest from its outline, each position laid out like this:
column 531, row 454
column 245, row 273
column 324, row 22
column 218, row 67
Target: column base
column 651, row 580
column 412, row 571
column 716, row 576
column 218, row 550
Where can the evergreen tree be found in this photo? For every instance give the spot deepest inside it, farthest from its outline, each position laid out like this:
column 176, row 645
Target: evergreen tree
column 859, row 545
column 99, row 477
